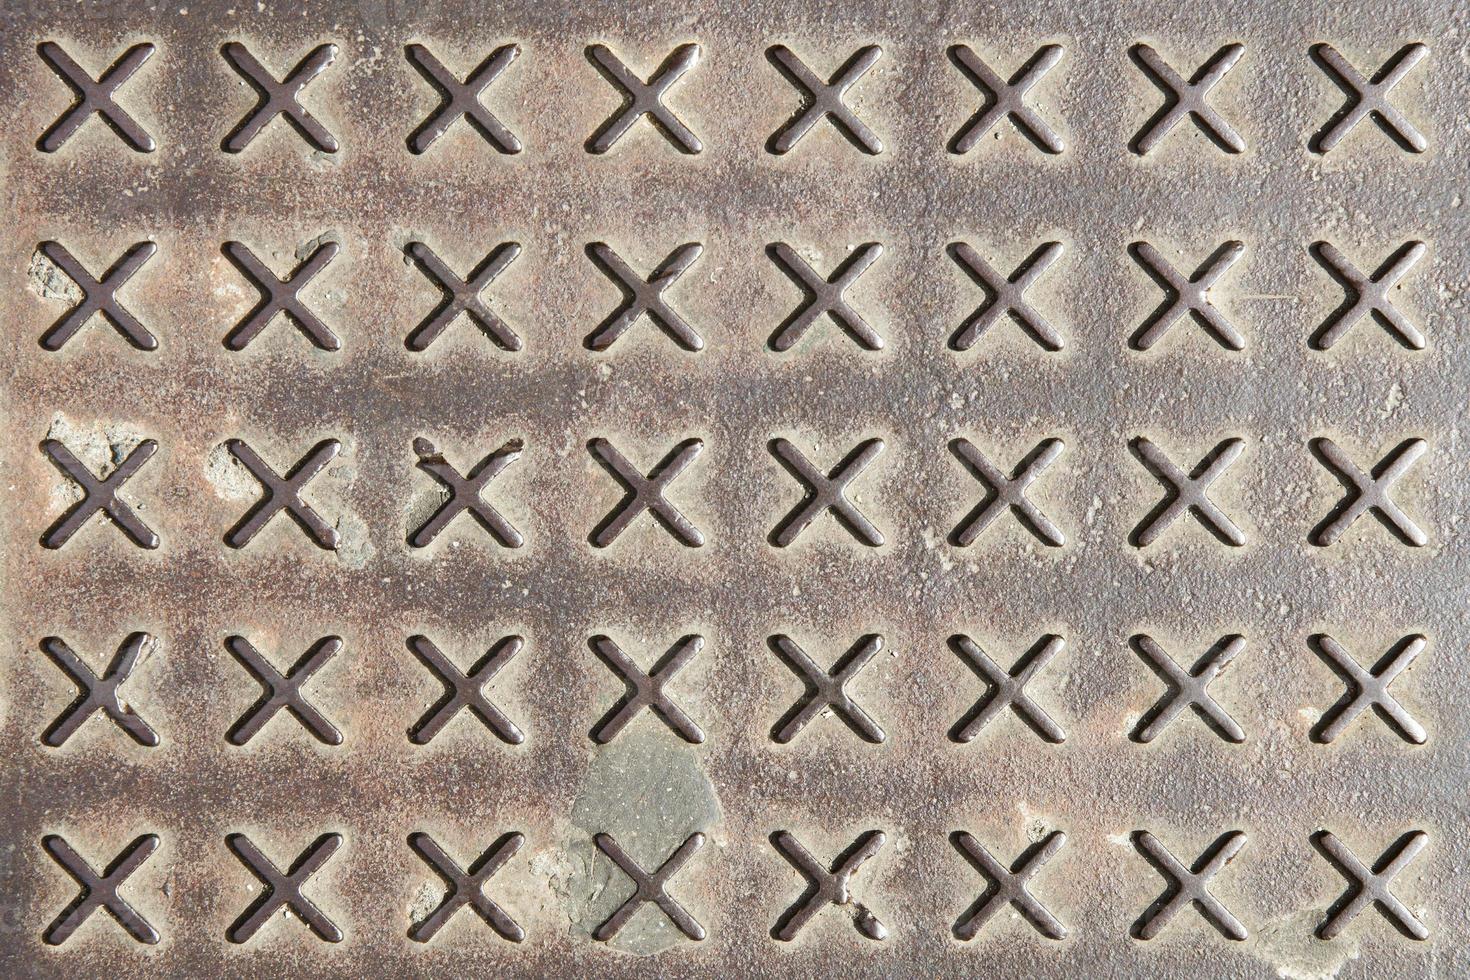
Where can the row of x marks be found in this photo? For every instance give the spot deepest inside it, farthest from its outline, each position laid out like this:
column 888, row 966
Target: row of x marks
column 826, row 492
column 1187, row 296
column 827, row 885
column 823, row 99
column 826, row 693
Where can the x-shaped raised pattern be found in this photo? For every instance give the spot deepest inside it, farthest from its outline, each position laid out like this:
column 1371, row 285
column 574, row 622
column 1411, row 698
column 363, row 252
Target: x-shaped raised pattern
column 1371, row 886
column 827, row 491
column 466, row 887
column 1189, row 885
column 465, row 690
column 283, row 889
column 281, row 296
column 1369, row 294
column 649, row 888
column 1188, row 296
column 1008, row 688
column 827, row 689
column 98, row 693
column 827, row 886
column 99, row 297
column 646, row 493
column 1188, row 689
column 283, row 691
column 644, row 98
column 99, row 495
column 642, row 296
column 100, row 891
column 462, row 99
column 1369, row 492
column 283, row 493
column 824, row 100
column 1007, row 492
column 1008, row 886
column 646, row 688
column 1007, row 296
column 95, row 97
column 825, row 295
column 1369, row 98
column 1369, row 689
column 279, row 98
column 1006, row 99
column 463, row 296
column 1187, row 98
column 464, row 493
column 1187, row 492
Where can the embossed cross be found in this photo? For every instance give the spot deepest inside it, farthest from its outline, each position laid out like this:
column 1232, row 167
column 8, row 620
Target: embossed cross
column 283, row 691
column 1188, row 296
column 1006, row 99
column 825, row 295
column 1369, row 688
column 649, row 888
column 644, row 98
column 95, row 97
column 1369, row 492
column 646, row 493
column 1369, row 98
column 827, row 689
column 646, row 688
column 1008, row 492
column 279, row 98
column 1371, row 886
column 283, row 493
column 642, row 296
column 283, row 889
column 827, row 491
column 99, row 297
column 823, row 100
column 1369, row 295
column 281, row 296
column 462, row 296
column 466, row 887
column 1189, row 885
column 99, row 495
column 1187, row 492
column 465, row 493
column 1007, row 886
column 1007, row 296
column 1188, row 689
column 462, row 99
column 98, row 694
column 1187, row 98
column 827, row 886
column 465, row 689
column 1008, row 688
column 100, row 891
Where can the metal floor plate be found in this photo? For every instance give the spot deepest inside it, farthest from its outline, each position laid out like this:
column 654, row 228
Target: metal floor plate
column 691, row 488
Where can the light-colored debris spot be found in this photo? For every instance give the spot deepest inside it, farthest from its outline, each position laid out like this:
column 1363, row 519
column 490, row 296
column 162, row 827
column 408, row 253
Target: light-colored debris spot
column 45, row 280
column 648, row 791
column 1392, row 401
column 307, row 248
column 356, row 548
column 425, row 901
column 100, row 448
column 228, row 475
column 1289, row 945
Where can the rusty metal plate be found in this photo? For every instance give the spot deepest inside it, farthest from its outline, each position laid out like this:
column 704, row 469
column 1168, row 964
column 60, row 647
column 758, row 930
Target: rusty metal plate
column 692, row 488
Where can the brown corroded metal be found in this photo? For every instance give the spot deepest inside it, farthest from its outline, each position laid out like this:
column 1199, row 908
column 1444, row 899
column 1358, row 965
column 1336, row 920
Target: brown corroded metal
column 713, row 321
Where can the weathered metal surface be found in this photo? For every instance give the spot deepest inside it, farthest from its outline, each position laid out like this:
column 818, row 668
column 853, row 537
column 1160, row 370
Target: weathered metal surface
column 888, row 491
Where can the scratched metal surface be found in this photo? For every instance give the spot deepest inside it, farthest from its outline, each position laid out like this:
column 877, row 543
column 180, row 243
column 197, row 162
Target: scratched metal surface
column 1289, row 763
